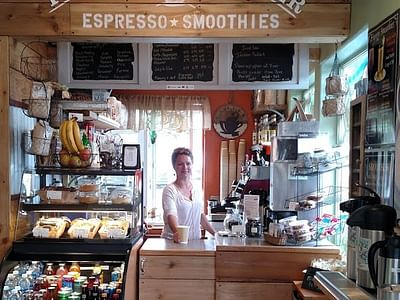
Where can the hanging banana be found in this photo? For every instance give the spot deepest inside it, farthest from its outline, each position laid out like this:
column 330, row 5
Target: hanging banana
column 70, row 137
column 63, row 136
column 77, row 135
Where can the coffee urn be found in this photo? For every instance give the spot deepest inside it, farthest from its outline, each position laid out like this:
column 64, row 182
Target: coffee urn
column 350, row 206
column 374, row 222
column 385, row 271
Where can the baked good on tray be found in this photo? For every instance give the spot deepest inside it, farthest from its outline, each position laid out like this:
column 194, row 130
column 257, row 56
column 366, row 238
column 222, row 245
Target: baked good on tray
column 58, row 194
column 84, row 228
column 114, row 228
column 50, row 227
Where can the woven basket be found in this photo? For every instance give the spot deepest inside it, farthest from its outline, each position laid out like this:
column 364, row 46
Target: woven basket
column 333, row 107
column 38, row 108
column 277, row 241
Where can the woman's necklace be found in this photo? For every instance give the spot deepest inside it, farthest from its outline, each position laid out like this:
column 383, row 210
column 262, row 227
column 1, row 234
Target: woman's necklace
column 185, row 189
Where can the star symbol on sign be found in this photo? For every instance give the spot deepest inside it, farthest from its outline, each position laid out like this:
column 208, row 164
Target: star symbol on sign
column 174, row 22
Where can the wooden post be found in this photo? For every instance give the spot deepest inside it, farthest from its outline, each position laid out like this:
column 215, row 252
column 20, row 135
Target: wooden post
column 4, row 147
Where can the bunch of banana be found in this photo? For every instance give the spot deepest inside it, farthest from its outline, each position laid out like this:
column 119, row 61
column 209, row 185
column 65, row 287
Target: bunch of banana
column 70, row 136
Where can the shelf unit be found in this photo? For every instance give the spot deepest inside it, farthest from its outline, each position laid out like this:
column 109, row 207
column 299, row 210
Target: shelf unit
column 324, row 217
column 357, row 150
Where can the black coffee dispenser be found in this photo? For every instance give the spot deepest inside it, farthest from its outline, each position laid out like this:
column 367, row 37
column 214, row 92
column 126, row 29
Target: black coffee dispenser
column 350, row 206
column 385, row 273
column 375, row 223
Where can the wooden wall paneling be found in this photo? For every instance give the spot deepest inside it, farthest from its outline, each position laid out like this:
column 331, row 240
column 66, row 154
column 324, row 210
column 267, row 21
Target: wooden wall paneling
column 317, row 21
column 178, row 267
column 307, row 26
column 262, row 266
column 160, row 1
column 173, row 289
column 33, row 19
column 5, row 147
column 253, row 291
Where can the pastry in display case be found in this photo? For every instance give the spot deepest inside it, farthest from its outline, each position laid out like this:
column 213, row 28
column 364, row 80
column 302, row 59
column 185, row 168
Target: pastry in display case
column 88, row 216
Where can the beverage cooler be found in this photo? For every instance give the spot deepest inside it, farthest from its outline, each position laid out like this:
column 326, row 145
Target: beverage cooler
column 74, row 235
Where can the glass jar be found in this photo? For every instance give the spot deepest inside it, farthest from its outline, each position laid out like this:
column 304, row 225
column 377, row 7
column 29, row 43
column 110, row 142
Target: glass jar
column 254, row 227
column 232, row 218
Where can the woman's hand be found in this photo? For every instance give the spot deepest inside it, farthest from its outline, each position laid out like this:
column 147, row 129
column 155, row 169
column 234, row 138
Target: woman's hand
column 176, row 237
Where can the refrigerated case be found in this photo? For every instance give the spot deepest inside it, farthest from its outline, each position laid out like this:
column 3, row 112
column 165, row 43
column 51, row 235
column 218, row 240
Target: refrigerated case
column 57, row 223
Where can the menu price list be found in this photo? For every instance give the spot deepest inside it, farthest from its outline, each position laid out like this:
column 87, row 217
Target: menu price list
column 262, row 62
column 99, row 61
column 182, row 62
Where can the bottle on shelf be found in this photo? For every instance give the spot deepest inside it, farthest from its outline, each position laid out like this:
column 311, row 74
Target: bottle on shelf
column 50, row 269
column 255, row 133
column 75, row 267
column 6, row 293
column 24, row 283
column 61, row 270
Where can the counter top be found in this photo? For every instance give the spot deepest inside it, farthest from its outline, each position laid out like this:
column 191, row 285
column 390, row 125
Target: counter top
column 160, row 246
column 208, row 246
column 259, row 244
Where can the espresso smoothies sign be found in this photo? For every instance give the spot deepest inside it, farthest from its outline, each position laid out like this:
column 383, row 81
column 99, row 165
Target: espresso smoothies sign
column 295, row 20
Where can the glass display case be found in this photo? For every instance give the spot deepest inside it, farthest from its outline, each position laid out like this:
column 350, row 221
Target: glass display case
column 89, row 216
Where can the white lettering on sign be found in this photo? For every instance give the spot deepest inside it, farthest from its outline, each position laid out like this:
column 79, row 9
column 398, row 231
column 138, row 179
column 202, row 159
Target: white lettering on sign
column 293, row 7
column 125, row 21
column 55, row 4
column 189, row 21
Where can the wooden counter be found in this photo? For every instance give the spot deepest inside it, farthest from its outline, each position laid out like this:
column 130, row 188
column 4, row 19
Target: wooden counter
column 177, row 271
column 249, row 268
column 224, row 268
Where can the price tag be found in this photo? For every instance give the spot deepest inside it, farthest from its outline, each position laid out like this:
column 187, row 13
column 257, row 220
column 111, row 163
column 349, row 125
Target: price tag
column 81, row 233
column 115, row 233
column 41, row 232
column 54, row 195
column 238, row 229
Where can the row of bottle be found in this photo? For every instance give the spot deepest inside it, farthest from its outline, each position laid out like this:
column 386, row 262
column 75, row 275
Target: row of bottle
column 110, row 291
column 36, row 281
column 264, row 129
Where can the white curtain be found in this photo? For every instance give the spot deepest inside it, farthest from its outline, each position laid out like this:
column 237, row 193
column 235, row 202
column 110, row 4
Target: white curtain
column 166, row 112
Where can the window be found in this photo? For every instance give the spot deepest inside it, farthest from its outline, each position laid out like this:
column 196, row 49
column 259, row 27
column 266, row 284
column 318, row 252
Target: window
column 161, row 125
column 156, row 158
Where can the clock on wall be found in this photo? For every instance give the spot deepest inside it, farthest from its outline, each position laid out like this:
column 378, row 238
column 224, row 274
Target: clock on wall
column 230, row 121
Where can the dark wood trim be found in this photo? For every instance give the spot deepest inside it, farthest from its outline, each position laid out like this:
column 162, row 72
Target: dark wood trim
column 19, row 104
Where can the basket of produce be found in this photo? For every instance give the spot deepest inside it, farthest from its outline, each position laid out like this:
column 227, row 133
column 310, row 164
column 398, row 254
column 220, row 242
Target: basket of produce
column 76, row 152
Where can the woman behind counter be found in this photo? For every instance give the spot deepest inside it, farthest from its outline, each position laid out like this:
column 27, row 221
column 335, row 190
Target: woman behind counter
column 182, row 204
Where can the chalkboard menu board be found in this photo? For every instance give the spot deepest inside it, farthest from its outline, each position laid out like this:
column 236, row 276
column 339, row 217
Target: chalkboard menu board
column 262, row 62
column 182, row 62
column 100, row 61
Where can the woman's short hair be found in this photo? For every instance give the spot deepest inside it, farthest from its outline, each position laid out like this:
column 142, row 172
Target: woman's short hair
column 180, row 151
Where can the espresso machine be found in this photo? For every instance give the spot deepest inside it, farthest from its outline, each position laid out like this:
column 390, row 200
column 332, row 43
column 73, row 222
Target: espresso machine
column 258, row 184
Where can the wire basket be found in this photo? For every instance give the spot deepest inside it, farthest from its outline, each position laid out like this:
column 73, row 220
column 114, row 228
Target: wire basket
column 35, row 66
column 38, row 108
column 36, row 145
column 38, row 68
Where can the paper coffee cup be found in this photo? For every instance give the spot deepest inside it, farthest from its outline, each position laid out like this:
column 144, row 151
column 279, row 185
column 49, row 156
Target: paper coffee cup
column 183, row 232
